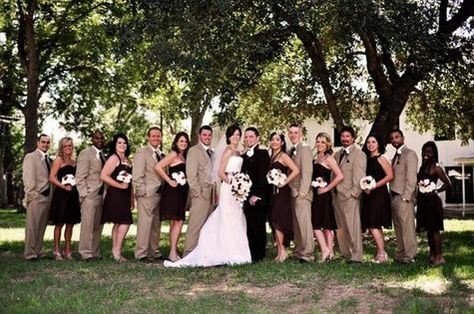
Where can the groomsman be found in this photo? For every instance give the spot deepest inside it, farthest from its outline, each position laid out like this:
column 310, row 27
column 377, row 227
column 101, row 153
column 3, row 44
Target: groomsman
column 36, row 168
column 198, row 167
column 256, row 164
column 403, row 187
column 147, row 186
column 91, row 190
column 302, row 195
column 353, row 163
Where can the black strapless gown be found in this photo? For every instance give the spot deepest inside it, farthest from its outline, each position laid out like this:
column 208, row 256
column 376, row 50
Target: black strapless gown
column 281, row 211
column 173, row 200
column 322, row 212
column 118, row 202
column 65, row 207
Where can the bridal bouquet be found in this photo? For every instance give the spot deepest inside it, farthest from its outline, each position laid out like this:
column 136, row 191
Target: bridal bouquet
column 319, row 183
column 179, row 177
column 426, row 186
column 124, row 176
column 68, row 179
column 240, row 186
column 367, row 183
column 276, row 177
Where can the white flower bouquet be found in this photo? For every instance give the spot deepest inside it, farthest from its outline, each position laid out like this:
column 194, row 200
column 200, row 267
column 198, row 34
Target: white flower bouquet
column 367, row 183
column 124, row 176
column 68, row 179
column 240, row 186
column 319, row 183
column 426, row 186
column 276, row 177
column 179, row 177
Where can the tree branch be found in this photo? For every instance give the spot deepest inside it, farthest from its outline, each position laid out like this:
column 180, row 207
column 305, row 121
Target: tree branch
column 459, row 18
column 374, row 65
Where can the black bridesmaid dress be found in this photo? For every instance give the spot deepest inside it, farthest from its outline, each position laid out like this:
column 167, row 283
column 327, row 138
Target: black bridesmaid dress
column 173, row 200
column 376, row 209
column 65, row 207
column 280, row 213
column 429, row 212
column 118, row 202
column 322, row 212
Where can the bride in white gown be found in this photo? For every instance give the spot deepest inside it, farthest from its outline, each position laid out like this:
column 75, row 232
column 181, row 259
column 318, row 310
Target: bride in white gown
column 223, row 238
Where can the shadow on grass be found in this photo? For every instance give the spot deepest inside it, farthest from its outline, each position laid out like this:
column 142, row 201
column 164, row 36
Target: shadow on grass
column 106, row 286
column 11, row 218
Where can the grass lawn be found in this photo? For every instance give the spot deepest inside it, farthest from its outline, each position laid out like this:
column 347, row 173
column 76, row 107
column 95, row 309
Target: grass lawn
column 105, row 286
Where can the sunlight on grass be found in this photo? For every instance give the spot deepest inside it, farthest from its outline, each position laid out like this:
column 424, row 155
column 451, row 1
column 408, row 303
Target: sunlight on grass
column 105, row 286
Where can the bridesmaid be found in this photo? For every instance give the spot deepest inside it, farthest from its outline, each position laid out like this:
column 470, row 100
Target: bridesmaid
column 280, row 213
column 65, row 208
column 174, row 196
column 119, row 197
column 376, row 208
column 429, row 214
column 322, row 212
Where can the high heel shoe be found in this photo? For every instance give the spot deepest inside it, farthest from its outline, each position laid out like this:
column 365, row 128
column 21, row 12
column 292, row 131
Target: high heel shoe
column 324, row 257
column 67, row 256
column 120, row 259
column 177, row 258
column 58, row 256
column 381, row 258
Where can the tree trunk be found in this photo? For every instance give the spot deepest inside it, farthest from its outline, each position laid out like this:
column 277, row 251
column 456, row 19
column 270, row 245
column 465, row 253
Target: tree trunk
column 3, row 150
column 318, row 63
column 196, row 122
column 31, row 63
column 388, row 116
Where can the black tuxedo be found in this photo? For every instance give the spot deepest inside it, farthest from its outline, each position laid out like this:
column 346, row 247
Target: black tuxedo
column 257, row 167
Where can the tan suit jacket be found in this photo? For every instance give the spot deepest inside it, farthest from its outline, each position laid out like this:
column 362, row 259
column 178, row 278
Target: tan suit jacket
column 198, row 168
column 88, row 172
column 35, row 175
column 301, row 185
column 353, row 167
column 404, row 171
column 146, row 180
column 36, row 181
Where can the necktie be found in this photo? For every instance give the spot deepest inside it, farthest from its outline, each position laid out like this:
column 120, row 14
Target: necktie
column 395, row 158
column 102, row 158
column 342, row 156
column 158, row 157
column 209, row 152
column 48, row 166
column 292, row 151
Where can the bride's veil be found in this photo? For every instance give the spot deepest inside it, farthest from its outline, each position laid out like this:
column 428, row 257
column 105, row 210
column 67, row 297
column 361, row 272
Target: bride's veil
column 216, row 159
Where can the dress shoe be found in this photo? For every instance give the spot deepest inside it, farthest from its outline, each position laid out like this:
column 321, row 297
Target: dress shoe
column 145, row 260
column 32, row 259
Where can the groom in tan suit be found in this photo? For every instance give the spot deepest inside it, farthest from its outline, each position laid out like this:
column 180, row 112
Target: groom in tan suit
column 147, row 186
column 302, row 195
column 353, row 163
column 36, row 168
column 403, row 188
column 198, row 163
column 91, row 189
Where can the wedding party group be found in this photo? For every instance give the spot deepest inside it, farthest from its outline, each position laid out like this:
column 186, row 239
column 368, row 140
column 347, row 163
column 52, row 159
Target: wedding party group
column 307, row 195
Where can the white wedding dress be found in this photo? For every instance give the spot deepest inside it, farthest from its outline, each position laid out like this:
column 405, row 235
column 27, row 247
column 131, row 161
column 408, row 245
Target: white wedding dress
column 223, row 238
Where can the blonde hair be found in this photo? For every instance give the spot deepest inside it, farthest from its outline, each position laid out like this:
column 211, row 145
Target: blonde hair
column 63, row 141
column 328, row 141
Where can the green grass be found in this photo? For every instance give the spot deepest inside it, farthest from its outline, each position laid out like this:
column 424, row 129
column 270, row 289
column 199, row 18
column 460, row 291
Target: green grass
column 105, row 286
